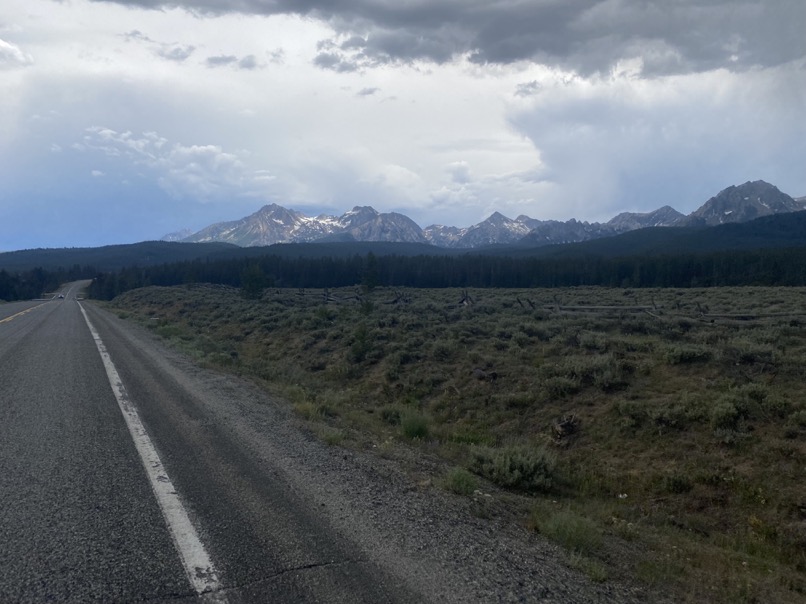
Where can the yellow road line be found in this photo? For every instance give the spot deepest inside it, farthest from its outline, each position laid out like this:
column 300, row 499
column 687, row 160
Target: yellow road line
column 21, row 313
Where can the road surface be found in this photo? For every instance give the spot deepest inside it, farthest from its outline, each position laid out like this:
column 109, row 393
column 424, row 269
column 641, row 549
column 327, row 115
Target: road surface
column 271, row 515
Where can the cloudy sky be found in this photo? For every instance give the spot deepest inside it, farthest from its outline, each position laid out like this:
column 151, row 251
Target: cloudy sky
column 124, row 120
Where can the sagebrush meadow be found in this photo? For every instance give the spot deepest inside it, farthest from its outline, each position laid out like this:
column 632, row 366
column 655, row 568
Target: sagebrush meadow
column 657, row 433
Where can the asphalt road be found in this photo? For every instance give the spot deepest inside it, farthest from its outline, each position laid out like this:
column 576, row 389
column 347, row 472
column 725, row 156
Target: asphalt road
column 79, row 520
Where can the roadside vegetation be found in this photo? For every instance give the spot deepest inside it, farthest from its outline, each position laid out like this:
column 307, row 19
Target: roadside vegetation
column 657, row 434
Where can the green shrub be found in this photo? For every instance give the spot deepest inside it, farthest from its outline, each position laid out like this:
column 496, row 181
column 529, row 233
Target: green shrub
column 613, row 376
column 470, row 436
column 573, row 532
column 632, row 413
column 746, row 351
column 560, row 386
column 672, row 417
column 682, row 355
column 306, row 410
column 444, row 351
column 362, row 344
column 798, row 418
column 795, row 424
column 572, row 373
column 170, row 331
column 598, row 342
column 312, row 411
column 460, row 481
column 777, row 407
column 676, row 483
column 528, row 469
column 724, row 415
column 515, row 400
column 223, row 359
column 729, row 436
column 391, row 416
column 414, row 426
column 330, row 436
column 595, row 570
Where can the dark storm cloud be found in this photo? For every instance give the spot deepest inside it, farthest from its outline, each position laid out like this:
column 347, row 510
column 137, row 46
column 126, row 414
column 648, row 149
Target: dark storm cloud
column 336, row 62
column 585, row 35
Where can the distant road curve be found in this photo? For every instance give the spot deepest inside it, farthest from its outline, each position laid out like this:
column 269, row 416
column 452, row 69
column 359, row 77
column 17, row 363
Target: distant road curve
column 282, row 517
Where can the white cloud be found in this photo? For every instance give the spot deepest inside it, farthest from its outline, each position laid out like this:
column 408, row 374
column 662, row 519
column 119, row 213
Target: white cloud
column 200, row 172
column 612, row 144
column 12, row 57
column 460, row 172
column 176, row 52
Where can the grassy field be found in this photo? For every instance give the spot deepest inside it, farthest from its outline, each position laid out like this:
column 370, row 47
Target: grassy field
column 657, row 434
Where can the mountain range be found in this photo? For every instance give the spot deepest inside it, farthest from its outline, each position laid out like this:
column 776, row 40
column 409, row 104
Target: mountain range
column 775, row 230
column 276, row 224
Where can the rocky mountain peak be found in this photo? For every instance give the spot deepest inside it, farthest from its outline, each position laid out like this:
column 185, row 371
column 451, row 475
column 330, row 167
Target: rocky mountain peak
column 497, row 218
column 629, row 221
column 496, row 229
column 358, row 215
column 742, row 203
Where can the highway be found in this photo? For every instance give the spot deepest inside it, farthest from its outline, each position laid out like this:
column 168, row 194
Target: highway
column 130, row 474
column 80, row 520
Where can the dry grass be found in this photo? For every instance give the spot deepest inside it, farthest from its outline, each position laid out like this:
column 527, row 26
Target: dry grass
column 669, row 425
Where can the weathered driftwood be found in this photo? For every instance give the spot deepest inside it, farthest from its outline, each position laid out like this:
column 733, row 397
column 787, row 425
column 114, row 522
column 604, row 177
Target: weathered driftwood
column 601, row 308
column 327, row 296
column 528, row 301
column 744, row 316
column 400, row 298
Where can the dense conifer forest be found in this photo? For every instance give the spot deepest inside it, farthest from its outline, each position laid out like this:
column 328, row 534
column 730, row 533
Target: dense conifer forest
column 300, row 267
column 779, row 267
column 25, row 285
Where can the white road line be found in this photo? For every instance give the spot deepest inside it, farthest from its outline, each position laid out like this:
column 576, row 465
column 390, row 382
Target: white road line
column 203, row 576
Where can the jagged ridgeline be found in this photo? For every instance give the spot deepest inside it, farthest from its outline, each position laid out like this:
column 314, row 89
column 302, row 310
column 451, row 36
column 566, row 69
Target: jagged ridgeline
column 276, row 224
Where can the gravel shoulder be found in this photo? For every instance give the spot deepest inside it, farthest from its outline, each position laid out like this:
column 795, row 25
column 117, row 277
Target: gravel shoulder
column 423, row 537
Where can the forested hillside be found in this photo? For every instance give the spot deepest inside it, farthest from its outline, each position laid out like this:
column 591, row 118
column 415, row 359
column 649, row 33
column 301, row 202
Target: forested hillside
column 111, row 257
column 759, row 267
column 30, row 284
